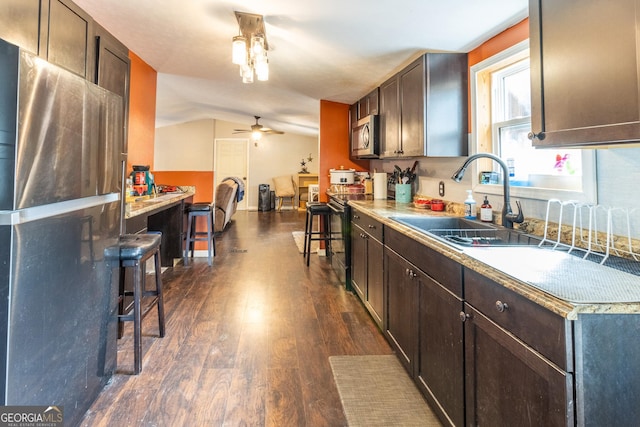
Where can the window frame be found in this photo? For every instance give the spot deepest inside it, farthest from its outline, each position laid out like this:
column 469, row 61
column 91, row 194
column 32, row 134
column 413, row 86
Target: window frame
column 589, row 185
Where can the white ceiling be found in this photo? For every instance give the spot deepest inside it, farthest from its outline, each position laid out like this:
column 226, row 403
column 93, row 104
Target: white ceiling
column 336, row 50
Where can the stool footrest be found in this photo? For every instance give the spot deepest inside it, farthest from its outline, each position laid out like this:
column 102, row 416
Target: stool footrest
column 130, row 315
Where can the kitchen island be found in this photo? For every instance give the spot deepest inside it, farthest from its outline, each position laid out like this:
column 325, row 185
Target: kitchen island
column 163, row 213
column 487, row 339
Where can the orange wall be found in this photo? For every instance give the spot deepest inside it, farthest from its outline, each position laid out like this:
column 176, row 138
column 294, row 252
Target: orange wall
column 502, row 41
column 142, row 113
column 496, row 44
column 334, row 143
column 203, row 181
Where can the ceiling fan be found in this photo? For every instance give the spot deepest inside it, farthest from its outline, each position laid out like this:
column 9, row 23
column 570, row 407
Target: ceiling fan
column 257, row 130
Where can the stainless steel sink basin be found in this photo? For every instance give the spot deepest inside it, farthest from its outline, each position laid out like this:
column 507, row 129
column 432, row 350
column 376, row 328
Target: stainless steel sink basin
column 484, row 237
column 460, row 232
column 426, row 223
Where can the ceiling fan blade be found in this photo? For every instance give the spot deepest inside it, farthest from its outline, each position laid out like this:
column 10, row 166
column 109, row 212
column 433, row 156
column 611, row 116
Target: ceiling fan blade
column 257, row 127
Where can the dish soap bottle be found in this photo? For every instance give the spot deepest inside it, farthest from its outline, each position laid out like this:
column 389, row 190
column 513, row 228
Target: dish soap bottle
column 486, row 214
column 470, row 206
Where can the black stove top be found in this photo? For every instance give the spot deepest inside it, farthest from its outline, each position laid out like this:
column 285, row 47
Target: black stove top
column 343, row 198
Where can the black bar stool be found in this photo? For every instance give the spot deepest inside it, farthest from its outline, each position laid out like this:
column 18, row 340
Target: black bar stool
column 194, row 211
column 323, row 211
column 135, row 250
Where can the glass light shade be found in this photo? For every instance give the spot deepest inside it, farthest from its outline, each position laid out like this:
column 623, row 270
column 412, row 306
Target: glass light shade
column 257, row 46
column 256, row 135
column 262, row 69
column 239, row 51
column 247, row 74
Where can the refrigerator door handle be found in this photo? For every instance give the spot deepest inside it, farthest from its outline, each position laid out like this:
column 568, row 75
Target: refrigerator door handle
column 46, row 211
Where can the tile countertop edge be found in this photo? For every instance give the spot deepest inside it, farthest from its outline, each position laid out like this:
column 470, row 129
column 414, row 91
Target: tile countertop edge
column 383, row 209
column 148, row 205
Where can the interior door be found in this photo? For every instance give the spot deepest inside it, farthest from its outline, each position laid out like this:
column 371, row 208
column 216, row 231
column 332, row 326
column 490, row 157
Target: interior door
column 231, row 160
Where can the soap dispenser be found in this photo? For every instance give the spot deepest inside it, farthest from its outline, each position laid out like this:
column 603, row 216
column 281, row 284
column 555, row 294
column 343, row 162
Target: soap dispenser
column 470, row 206
column 486, row 213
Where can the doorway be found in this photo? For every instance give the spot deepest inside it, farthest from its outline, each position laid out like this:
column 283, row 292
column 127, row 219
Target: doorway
column 231, row 159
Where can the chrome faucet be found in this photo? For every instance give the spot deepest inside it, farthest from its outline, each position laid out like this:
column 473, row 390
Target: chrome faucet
column 508, row 217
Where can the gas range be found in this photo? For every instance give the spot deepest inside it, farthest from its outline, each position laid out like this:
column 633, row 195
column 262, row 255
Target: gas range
column 343, row 198
column 341, row 233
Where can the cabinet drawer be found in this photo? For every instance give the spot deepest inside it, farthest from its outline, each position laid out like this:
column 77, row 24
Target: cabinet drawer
column 444, row 270
column 368, row 224
column 543, row 330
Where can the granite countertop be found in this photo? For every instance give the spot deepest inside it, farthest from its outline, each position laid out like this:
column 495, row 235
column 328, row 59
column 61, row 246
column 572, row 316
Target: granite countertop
column 574, row 286
column 145, row 204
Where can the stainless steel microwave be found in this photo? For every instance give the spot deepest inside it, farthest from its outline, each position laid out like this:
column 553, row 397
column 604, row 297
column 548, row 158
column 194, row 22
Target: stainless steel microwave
column 365, row 141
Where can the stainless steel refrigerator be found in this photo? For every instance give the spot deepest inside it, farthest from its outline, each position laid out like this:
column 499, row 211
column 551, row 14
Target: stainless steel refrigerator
column 60, row 213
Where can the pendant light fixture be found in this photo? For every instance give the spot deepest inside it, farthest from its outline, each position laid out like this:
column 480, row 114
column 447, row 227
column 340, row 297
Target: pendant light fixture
column 249, row 48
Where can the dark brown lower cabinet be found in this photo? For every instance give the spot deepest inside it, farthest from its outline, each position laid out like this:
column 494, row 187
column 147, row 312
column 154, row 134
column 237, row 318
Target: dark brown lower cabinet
column 402, row 279
column 359, row 261
column 366, row 272
column 508, row 383
column 499, row 358
column 367, row 276
column 440, row 367
column 375, row 281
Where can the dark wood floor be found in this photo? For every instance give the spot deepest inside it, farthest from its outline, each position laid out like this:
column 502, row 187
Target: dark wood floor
column 248, row 339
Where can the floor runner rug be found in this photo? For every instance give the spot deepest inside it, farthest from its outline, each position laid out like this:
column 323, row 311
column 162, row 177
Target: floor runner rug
column 298, row 237
column 377, row 391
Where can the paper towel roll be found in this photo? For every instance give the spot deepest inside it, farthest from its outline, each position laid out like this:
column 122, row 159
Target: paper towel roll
column 380, row 185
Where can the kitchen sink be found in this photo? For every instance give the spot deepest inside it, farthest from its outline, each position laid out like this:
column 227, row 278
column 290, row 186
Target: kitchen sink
column 427, row 223
column 478, row 237
column 461, row 232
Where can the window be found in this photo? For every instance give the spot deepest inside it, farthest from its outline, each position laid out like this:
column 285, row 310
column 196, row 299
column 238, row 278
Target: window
column 501, row 96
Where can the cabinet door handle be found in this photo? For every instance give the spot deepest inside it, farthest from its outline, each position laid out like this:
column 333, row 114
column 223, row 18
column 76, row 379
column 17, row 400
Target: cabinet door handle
column 356, row 216
column 410, row 273
column 464, row 316
column 539, row 136
column 371, row 226
column 501, row 306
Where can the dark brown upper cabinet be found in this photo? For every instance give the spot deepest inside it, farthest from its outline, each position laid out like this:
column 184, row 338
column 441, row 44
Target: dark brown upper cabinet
column 113, row 71
column 368, row 104
column 20, row 23
column 584, row 73
column 423, row 108
column 56, row 30
column 69, row 39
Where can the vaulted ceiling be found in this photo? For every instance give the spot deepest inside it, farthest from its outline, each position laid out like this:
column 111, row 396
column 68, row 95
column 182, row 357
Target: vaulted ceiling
column 334, row 50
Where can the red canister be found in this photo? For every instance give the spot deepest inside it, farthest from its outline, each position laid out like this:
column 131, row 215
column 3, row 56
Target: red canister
column 437, row 205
